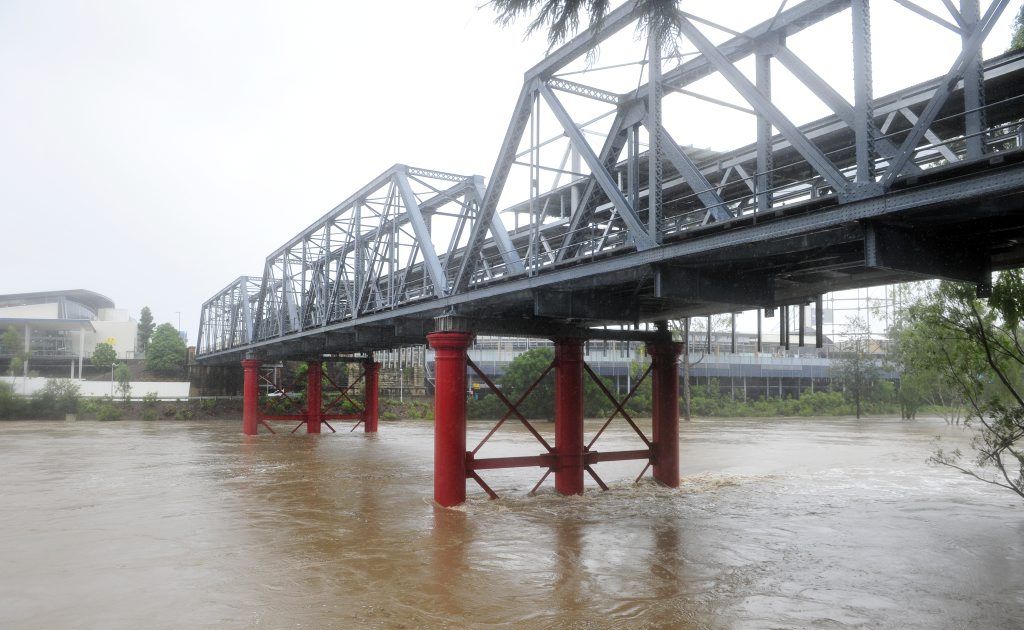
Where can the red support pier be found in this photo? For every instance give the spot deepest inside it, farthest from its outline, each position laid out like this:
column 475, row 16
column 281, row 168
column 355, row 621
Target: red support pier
column 569, row 416
column 251, row 396
column 314, row 401
column 450, row 415
column 315, row 415
column 665, row 412
column 571, row 456
column 370, row 403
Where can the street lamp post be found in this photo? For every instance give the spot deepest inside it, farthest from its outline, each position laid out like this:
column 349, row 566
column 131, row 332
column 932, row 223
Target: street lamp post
column 112, row 378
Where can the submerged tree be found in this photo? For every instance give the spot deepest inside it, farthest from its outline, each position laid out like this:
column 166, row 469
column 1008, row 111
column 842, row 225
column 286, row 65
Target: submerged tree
column 929, row 360
column 857, row 370
column 981, row 343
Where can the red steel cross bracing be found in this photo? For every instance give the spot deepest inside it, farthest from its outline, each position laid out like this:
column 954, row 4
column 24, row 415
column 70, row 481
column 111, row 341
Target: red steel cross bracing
column 343, row 393
column 620, row 407
column 513, row 409
column 549, row 460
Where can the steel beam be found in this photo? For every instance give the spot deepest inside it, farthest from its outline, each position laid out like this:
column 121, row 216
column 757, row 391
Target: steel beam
column 692, row 175
column 506, row 249
column 925, row 253
column 765, row 160
column 423, row 240
column 782, row 25
column 974, row 85
column 714, row 285
column 496, row 184
column 818, row 161
column 641, row 238
column 834, row 100
column 581, row 212
column 862, row 88
column 969, row 52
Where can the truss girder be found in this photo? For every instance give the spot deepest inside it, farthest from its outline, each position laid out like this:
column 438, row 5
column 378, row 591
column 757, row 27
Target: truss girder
column 380, row 255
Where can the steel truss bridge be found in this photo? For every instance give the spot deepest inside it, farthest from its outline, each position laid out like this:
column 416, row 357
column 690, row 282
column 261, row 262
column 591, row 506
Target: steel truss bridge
column 924, row 182
column 579, row 233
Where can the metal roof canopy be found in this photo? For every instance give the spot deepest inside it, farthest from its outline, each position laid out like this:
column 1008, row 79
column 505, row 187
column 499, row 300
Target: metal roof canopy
column 91, row 299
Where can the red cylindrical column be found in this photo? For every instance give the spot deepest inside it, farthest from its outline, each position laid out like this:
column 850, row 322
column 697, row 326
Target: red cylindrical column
column 569, row 416
column 450, row 415
column 250, row 396
column 370, row 399
column 314, row 396
column 665, row 410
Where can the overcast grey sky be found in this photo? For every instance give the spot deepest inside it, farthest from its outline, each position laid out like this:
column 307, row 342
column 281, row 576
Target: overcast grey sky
column 153, row 151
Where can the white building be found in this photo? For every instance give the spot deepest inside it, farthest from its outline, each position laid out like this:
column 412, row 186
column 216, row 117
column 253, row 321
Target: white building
column 64, row 327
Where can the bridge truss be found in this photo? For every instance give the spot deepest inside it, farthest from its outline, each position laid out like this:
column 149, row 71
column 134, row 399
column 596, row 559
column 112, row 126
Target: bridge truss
column 594, row 214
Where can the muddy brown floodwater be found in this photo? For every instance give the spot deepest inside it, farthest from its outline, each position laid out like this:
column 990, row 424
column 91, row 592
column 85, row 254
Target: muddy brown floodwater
column 779, row 524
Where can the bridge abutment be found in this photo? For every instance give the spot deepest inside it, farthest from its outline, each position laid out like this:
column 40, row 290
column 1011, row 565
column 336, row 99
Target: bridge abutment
column 450, row 415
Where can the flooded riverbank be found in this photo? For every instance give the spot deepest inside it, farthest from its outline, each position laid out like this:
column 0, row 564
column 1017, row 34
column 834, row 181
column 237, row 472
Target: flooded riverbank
column 779, row 523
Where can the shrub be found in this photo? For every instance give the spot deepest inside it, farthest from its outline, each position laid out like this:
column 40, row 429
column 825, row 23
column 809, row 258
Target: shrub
column 88, row 407
column 65, row 395
column 106, row 410
column 11, row 405
column 124, row 379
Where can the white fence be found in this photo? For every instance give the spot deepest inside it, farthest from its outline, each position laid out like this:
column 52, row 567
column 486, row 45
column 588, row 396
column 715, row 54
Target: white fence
column 95, row 389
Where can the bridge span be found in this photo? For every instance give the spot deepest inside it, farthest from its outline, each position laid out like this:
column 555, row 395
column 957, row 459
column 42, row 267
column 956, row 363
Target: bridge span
column 579, row 234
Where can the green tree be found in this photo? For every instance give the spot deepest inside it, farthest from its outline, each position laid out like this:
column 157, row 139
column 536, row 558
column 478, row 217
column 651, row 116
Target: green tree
column 521, row 373
column 166, row 352
column 986, row 363
column 561, row 18
column 146, row 327
column 123, row 376
column 524, row 370
column 857, row 370
column 1017, row 39
column 14, row 345
column 104, row 355
column 59, row 396
column 929, row 359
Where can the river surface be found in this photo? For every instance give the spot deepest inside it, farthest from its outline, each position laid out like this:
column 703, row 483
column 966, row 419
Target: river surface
column 778, row 524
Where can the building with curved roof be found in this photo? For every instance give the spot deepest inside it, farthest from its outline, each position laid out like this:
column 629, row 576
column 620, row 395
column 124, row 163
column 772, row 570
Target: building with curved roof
column 64, row 327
